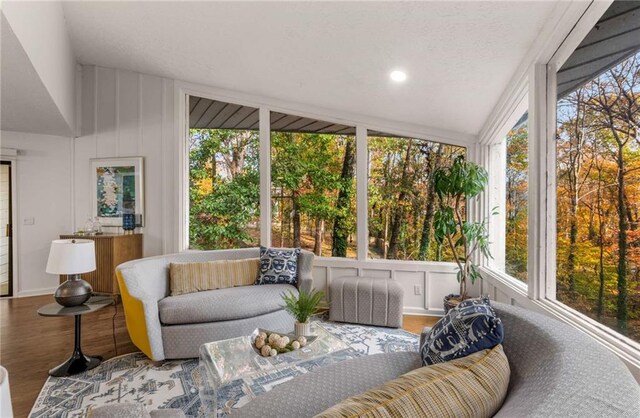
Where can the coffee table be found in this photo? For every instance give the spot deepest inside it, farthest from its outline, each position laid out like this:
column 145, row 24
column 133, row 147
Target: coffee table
column 226, row 361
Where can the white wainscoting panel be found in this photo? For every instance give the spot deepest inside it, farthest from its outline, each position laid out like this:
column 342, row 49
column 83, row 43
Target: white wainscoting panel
column 434, row 280
column 439, row 284
column 409, row 280
column 378, row 274
column 320, row 281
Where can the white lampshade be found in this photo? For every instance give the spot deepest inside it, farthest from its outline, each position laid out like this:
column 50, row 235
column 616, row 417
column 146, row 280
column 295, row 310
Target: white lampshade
column 71, row 256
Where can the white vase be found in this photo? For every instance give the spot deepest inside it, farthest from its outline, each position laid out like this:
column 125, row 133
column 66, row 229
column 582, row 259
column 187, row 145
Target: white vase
column 302, row 329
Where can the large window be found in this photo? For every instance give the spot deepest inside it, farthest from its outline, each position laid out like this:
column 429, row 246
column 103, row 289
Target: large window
column 401, row 200
column 516, row 199
column 224, row 182
column 598, row 177
column 312, row 192
column 313, row 184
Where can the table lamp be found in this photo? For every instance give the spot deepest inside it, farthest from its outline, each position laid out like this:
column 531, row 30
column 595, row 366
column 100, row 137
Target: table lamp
column 72, row 257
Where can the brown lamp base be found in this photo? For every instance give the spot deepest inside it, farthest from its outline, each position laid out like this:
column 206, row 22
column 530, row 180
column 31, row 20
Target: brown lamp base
column 73, row 292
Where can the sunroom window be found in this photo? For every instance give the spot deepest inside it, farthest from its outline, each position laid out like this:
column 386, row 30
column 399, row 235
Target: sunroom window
column 516, row 199
column 224, row 177
column 598, row 175
column 313, row 185
column 401, row 200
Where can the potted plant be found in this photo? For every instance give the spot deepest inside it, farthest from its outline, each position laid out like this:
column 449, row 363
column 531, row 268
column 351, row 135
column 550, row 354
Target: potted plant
column 454, row 185
column 301, row 307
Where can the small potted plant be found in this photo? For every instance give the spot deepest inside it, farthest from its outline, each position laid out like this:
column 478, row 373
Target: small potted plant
column 454, row 185
column 301, row 307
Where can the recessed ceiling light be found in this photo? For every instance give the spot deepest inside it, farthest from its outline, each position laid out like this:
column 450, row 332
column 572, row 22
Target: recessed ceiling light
column 398, row 76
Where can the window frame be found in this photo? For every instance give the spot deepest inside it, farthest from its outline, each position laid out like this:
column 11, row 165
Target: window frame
column 496, row 195
column 182, row 91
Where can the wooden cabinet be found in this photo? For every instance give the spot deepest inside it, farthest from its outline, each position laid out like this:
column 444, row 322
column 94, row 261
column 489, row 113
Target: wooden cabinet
column 111, row 250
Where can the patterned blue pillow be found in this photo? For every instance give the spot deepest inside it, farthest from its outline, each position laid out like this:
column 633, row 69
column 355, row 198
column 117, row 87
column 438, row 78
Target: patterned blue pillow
column 470, row 327
column 278, row 266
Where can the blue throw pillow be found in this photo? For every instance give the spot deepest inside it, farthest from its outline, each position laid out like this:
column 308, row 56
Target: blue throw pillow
column 278, row 266
column 470, row 327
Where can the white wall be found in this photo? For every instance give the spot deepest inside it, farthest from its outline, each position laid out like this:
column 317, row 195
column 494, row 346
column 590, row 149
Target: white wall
column 40, row 27
column 42, row 171
column 126, row 114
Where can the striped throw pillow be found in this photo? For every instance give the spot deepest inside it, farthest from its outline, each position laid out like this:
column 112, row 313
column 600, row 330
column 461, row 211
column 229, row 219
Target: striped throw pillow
column 221, row 274
column 472, row 386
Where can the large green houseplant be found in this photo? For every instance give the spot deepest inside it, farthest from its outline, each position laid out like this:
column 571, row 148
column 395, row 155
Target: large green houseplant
column 454, row 185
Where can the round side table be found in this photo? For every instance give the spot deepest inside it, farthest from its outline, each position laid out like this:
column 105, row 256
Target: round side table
column 78, row 362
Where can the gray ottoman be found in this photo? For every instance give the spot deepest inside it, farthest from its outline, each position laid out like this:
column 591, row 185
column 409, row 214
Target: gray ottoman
column 366, row 300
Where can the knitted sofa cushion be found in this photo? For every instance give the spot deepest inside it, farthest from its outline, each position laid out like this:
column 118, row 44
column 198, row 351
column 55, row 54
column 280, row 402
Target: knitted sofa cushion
column 472, row 386
column 209, row 275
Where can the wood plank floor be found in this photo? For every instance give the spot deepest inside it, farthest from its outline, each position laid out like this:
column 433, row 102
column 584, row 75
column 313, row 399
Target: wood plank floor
column 30, row 344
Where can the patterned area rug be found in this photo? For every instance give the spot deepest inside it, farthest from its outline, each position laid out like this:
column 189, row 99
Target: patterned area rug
column 175, row 384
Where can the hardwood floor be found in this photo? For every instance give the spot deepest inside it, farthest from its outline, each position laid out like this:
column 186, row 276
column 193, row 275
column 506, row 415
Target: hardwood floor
column 415, row 324
column 30, row 344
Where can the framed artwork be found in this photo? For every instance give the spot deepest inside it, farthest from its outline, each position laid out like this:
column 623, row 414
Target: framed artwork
column 117, row 188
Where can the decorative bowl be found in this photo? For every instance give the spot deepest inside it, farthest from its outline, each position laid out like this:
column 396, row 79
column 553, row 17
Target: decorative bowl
column 292, row 337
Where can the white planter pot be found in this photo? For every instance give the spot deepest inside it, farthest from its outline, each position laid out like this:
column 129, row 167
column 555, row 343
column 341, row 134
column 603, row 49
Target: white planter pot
column 302, row 329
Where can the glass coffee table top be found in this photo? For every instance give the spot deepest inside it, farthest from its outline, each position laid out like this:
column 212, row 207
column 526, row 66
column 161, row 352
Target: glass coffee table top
column 235, row 359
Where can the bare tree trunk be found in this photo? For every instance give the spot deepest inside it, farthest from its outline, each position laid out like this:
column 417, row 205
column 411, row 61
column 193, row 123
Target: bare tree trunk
column 600, row 307
column 425, row 239
column 319, row 237
column 631, row 221
column 340, row 227
column 399, row 210
column 592, row 233
column 575, row 160
column 281, row 208
column 386, row 233
column 573, row 237
column 622, row 244
column 295, row 217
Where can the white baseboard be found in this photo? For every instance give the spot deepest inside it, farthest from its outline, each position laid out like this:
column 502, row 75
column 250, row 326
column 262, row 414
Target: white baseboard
column 37, row 292
column 422, row 311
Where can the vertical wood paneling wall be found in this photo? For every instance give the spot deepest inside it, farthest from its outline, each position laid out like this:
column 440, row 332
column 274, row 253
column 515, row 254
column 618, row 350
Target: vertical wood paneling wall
column 127, row 114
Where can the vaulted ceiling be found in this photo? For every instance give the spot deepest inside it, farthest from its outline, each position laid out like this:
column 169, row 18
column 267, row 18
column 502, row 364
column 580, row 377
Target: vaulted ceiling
column 459, row 56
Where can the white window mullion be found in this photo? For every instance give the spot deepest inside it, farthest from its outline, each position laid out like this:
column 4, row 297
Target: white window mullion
column 362, row 181
column 537, row 246
column 182, row 127
column 496, row 198
column 549, row 290
column 265, row 177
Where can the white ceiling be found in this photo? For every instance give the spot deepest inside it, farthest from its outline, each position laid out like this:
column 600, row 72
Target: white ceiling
column 26, row 105
column 459, row 56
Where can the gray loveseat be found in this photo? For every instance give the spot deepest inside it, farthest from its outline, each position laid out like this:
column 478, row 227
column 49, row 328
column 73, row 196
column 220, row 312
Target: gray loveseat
column 173, row 327
column 556, row 371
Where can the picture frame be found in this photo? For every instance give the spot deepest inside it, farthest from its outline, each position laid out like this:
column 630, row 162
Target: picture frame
column 117, row 187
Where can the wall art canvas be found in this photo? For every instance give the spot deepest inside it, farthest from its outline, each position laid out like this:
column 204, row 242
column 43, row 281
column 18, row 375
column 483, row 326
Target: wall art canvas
column 117, row 188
